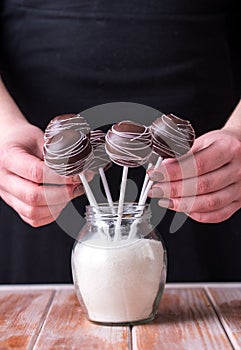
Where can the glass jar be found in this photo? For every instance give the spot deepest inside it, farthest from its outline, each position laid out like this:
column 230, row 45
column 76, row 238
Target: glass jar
column 119, row 266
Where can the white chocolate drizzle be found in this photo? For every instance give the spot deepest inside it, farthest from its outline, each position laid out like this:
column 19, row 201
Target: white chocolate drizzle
column 97, row 137
column 71, row 159
column 100, row 159
column 66, row 122
column 172, row 136
column 129, row 148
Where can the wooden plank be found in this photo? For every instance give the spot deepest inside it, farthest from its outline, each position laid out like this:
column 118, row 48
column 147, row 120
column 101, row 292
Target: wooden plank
column 21, row 316
column 227, row 302
column 185, row 320
column 67, row 327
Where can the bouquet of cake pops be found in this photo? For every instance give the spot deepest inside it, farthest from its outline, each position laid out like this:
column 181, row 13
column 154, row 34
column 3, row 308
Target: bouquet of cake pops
column 72, row 148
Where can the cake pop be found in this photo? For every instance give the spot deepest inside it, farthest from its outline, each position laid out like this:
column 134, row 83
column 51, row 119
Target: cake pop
column 100, row 158
column 97, row 137
column 68, row 152
column 66, row 122
column 101, row 161
column 129, row 144
column 172, row 136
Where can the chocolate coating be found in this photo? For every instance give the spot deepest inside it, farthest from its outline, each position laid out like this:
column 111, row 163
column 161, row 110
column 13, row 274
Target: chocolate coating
column 66, row 122
column 172, row 136
column 68, row 153
column 129, row 144
column 100, row 158
column 97, row 137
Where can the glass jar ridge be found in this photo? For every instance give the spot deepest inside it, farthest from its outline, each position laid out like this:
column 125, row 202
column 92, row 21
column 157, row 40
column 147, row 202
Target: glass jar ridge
column 135, row 221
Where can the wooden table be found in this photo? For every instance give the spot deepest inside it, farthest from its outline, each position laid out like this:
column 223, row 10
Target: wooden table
column 191, row 316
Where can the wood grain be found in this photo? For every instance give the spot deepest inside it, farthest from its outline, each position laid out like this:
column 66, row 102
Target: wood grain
column 227, row 302
column 21, row 316
column 66, row 327
column 185, row 320
column 189, row 318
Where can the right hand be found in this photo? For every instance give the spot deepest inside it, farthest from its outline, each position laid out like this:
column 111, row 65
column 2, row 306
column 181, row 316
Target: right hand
column 206, row 182
column 35, row 192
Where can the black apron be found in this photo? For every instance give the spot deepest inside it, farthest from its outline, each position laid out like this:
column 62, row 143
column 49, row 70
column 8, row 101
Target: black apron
column 176, row 56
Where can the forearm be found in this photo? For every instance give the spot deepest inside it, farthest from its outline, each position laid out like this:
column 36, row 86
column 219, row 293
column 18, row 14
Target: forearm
column 233, row 124
column 10, row 114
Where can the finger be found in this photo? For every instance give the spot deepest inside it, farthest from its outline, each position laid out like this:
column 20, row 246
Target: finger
column 216, row 216
column 39, row 222
column 60, row 194
column 207, row 183
column 32, row 215
column 33, row 169
column 34, row 194
column 191, row 165
column 203, row 203
column 50, row 177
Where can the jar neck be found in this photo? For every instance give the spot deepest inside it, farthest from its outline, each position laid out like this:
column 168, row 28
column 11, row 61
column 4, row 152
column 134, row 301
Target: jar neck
column 131, row 212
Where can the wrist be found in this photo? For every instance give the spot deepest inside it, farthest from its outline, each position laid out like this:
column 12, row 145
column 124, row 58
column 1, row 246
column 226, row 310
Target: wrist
column 232, row 130
column 233, row 124
column 12, row 121
column 10, row 114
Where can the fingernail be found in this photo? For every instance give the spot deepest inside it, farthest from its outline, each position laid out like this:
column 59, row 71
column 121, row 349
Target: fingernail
column 89, row 175
column 156, row 176
column 166, row 203
column 76, row 179
column 156, row 192
column 78, row 190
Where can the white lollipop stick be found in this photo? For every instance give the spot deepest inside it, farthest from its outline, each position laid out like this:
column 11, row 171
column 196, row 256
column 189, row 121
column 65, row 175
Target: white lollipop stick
column 121, row 202
column 88, row 191
column 93, row 203
column 107, row 189
column 143, row 198
column 145, row 181
column 134, row 224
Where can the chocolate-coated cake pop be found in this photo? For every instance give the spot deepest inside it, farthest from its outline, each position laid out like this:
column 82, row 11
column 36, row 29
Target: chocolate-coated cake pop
column 172, row 136
column 100, row 157
column 97, row 137
column 66, row 122
column 128, row 144
column 68, row 152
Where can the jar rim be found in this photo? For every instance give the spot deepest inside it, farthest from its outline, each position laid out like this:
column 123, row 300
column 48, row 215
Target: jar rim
column 130, row 211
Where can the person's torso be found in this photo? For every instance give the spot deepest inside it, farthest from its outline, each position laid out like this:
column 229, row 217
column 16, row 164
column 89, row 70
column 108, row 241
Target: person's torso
column 63, row 56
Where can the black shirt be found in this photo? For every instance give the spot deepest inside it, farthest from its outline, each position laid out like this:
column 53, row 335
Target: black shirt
column 176, row 56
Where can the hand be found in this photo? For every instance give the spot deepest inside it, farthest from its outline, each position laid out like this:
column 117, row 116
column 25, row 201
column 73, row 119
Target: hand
column 205, row 183
column 36, row 193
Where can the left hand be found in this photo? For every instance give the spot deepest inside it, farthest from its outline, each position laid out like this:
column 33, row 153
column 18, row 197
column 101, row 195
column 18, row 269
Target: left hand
column 34, row 191
column 206, row 182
